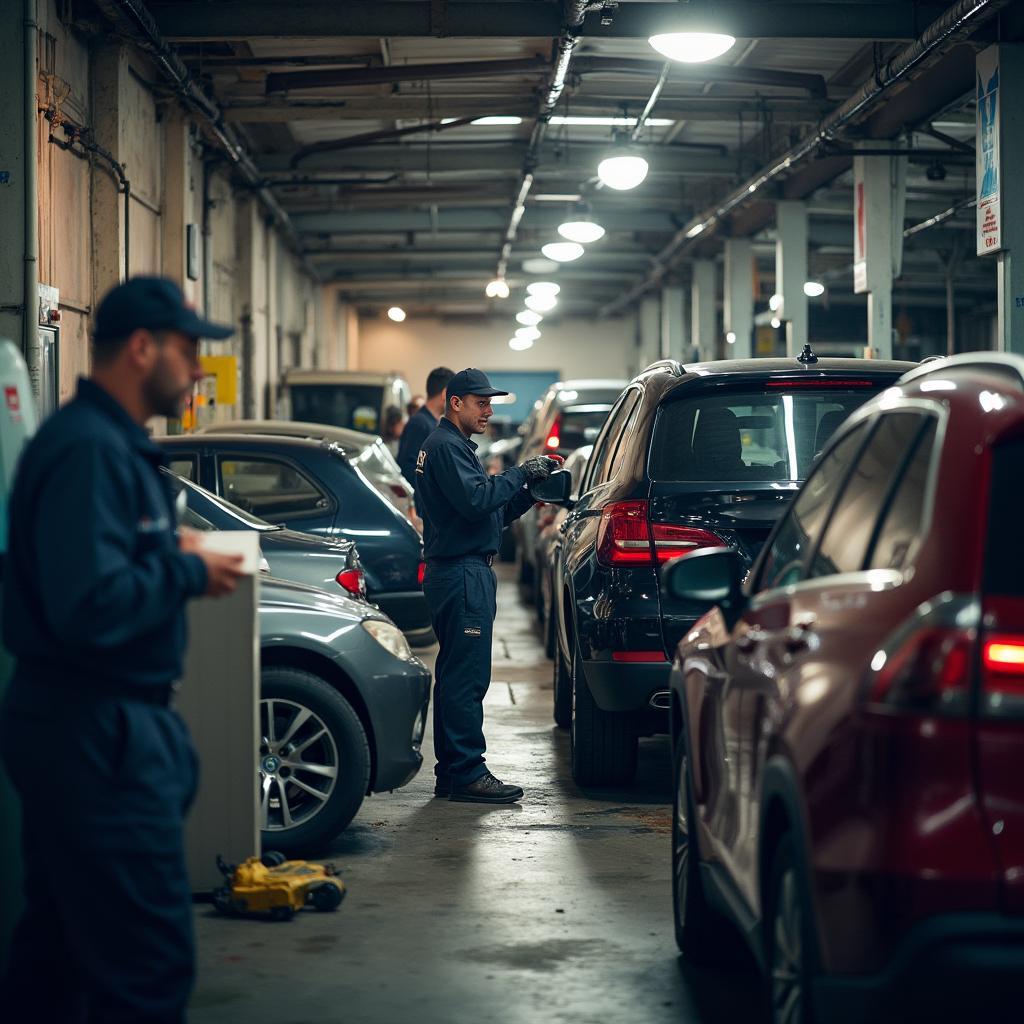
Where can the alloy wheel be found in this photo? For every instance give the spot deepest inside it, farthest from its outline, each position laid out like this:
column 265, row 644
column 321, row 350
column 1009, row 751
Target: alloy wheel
column 681, row 847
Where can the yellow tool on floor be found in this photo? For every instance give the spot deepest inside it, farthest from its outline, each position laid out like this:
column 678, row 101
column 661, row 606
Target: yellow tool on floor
column 277, row 887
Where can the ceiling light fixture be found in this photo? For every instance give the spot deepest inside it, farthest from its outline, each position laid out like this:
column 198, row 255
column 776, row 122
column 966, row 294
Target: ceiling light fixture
column 812, row 289
column 520, row 344
column 562, row 252
column 692, row 47
column 623, row 169
column 585, row 231
column 529, row 333
column 776, row 322
column 497, row 289
column 498, row 119
column 542, row 288
column 696, row 230
column 775, row 302
column 539, row 265
column 542, row 303
column 608, row 122
column 528, row 318
column 730, row 338
column 397, row 314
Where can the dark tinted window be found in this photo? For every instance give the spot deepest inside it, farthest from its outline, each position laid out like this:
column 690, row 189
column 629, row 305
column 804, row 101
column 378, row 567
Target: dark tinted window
column 1004, row 542
column 607, row 440
column 184, row 466
column 806, row 517
column 764, row 434
column 845, row 543
column 576, row 427
column 903, row 520
column 611, row 467
column 355, row 406
column 268, row 488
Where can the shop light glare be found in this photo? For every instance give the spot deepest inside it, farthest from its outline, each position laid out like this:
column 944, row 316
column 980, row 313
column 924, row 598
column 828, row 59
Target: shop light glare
column 692, row 47
column 543, row 288
column 520, row 344
column 581, row 121
column 696, row 230
column 775, row 302
column 529, row 318
column 529, row 333
column 562, row 252
column 812, row 289
column 539, row 265
column 585, row 231
column 776, row 322
column 623, row 171
column 498, row 119
column 397, row 314
column 497, row 289
column 543, row 303
column 730, row 338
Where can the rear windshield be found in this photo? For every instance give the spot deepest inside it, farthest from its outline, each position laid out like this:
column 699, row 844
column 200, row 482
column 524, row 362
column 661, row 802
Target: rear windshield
column 750, row 435
column 581, row 425
column 1004, row 542
column 355, row 406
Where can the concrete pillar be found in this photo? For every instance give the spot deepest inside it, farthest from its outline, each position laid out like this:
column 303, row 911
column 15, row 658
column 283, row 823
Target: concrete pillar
column 704, row 309
column 673, row 322
column 1000, row 188
column 108, row 206
column 177, row 204
column 791, row 271
column 650, row 330
column 739, row 298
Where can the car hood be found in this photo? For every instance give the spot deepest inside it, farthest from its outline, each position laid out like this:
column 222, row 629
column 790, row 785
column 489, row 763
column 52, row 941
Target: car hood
column 278, row 595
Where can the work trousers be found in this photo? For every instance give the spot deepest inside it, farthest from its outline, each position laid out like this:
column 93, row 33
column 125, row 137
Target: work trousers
column 106, row 935
column 462, row 595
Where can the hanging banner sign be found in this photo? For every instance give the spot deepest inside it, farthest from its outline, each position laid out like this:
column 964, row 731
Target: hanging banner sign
column 987, row 171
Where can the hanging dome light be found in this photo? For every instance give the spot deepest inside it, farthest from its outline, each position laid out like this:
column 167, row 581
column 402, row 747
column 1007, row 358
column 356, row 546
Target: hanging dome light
column 497, row 289
column 812, row 289
column 530, row 333
column 584, row 231
column 543, row 303
column 543, row 288
column 529, row 318
column 520, row 344
column 623, row 170
column 539, row 265
column 692, row 47
column 562, row 252
column 397, row 314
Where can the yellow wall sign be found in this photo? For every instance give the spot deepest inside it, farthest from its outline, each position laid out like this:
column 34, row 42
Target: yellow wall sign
column 225, row 370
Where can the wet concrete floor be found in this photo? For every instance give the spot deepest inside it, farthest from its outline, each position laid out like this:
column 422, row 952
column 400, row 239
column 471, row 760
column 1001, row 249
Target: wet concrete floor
column 556, row 910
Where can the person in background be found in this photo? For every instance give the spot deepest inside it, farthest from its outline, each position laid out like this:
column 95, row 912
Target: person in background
column 394, row 423
column 414, row 406
column 422, row 424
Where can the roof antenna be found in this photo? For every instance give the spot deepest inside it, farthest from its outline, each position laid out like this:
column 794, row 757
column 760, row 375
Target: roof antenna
column 807, row 357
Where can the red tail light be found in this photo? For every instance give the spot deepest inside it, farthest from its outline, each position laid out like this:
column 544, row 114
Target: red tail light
column 353, row 581
column 554, row 435
column 634, row 657
column 627, row 538
column 1002, row 658
column 421, row 571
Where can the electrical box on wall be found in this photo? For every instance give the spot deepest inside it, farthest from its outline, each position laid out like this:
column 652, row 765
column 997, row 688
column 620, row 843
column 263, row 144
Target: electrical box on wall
column 192, row 251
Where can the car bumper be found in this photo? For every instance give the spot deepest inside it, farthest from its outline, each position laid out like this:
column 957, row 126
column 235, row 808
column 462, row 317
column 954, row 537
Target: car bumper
column 964, row 963
column 621, row 686
column 409, row 611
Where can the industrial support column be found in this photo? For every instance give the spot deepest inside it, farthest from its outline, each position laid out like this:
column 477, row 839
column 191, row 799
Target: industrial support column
column 649, row 348
column 791, row 271
column 673, row 323
column 1000, row 190
column 704, row 310
column 739, row 298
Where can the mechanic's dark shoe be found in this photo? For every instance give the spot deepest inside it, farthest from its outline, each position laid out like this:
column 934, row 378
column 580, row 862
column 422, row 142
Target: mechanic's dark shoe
column 442, row 785
column 486, row 790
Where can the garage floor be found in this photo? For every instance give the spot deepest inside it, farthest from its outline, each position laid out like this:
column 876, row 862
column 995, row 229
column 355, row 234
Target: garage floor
column 556, row 910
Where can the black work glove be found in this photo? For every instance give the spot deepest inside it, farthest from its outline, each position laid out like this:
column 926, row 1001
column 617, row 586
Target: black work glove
column 539, row 467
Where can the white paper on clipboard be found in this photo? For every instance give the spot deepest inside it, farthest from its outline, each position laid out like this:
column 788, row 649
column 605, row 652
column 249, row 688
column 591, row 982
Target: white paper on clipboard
column 235, row 542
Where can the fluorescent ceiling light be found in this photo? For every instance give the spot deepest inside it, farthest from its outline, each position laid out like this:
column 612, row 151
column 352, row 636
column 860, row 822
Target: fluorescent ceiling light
column 692, row 47
column 520, row 344
column 812, row 289
column 695, row 230
column 538, row 265
column 610, row 122
column 498, row 119
column 542, row 303
column 562, row 252
column 497, row 289
column 528, row 318
column 585, row 231
column 542, row 287
column 397, row 314
column 622, row 171
column 528, row 333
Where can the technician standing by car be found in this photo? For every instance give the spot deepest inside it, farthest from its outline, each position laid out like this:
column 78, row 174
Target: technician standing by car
column 421, row 424
column 94, row 613
column 464, row 511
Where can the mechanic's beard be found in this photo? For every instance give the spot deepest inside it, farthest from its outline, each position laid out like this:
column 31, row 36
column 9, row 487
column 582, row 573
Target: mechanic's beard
column 163, row 394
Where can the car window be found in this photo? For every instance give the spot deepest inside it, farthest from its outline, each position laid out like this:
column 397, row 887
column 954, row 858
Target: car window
column 764, row 433
column 184, row 466
column 578, row 425
column 613, row 463
column 902, row 524
column 844, row 544
column 353, row 406
column 269, row 488
column 1004, row 539
column 606, row 440
column 807, row 515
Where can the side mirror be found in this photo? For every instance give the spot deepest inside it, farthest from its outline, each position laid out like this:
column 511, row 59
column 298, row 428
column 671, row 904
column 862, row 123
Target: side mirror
column 710, row 576
column 555, row 489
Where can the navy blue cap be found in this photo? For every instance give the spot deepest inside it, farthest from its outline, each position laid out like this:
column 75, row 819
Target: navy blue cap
column 472, row 382
column 154, row 304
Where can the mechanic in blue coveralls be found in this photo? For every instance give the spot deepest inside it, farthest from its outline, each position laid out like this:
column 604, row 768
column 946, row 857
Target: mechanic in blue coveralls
column 95, row 585
column 464, row 511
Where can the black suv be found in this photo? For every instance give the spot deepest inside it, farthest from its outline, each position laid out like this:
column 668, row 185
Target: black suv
column 691, row 456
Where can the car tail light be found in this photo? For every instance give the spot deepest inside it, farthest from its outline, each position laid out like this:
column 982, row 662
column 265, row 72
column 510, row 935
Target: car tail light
column 1002, row 659
column 554, row 439
column 352, row 580
column 627, row 538
column 635, row 657
column 421, row 572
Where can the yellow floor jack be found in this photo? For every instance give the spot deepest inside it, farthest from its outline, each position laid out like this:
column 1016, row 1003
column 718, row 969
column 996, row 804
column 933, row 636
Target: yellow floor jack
column 274, row 887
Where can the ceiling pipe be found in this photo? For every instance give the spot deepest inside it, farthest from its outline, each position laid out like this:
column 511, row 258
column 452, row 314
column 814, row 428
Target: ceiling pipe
column 958, row 22
column 574, row 13
column 134, row 17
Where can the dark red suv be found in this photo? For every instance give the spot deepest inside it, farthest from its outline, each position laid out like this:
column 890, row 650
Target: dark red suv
column 848, row 721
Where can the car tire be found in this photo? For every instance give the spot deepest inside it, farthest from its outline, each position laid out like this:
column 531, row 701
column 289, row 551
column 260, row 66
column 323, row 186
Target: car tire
column 702, row 936
column 603, row 743
column 330, row 737
column 562, row 686
column 789, row 947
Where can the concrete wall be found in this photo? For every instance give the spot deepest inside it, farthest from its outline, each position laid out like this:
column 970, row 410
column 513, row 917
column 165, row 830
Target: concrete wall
column 570, row 346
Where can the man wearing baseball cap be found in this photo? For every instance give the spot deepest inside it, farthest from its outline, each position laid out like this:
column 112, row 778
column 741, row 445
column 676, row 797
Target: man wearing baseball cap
column 464, row 511
column 95, row 584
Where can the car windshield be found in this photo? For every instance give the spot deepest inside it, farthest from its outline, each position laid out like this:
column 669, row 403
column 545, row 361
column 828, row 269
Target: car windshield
column 221, row 514
column 771, row 434
column 353, row 406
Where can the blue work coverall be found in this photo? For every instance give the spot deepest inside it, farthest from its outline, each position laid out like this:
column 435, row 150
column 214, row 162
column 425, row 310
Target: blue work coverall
column 94, row 594
column 464, row 512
